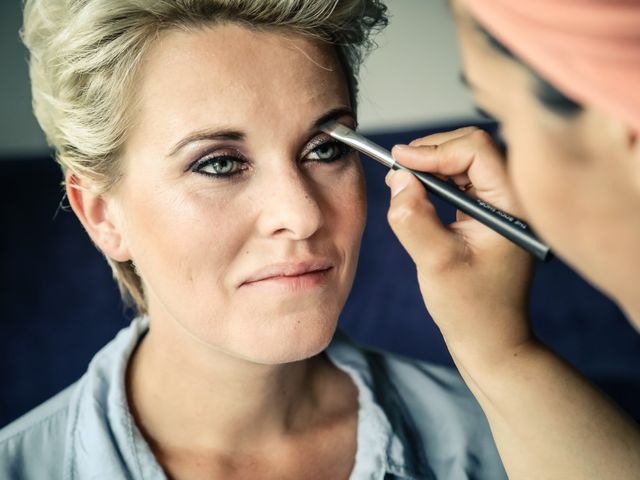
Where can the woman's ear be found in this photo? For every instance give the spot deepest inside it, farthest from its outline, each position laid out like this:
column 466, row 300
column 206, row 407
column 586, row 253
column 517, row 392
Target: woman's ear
column 98, row 218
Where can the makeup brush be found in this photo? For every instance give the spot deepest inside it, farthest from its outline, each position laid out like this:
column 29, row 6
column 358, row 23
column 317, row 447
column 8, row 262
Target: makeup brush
column 505, row 224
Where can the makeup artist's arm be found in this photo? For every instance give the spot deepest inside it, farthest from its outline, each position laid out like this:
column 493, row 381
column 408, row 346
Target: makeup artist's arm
column 547, row 420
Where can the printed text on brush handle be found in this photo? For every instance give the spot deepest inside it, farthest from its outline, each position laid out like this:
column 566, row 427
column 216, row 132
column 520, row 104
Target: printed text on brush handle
column 503, row 223
column 442, row 189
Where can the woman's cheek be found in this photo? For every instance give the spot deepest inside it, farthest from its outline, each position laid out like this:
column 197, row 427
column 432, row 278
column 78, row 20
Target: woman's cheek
column 353, row 205
column 351, row 190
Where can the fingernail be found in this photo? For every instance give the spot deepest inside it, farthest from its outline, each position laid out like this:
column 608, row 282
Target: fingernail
column 399, row 181
column 399, row 149
column 387, row 177
column 400, row 146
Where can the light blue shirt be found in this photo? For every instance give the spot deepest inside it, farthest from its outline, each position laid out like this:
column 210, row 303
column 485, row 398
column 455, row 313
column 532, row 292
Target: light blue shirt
column 415, row 421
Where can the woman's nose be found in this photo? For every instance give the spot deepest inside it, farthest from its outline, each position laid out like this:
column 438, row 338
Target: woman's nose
column 290, row 207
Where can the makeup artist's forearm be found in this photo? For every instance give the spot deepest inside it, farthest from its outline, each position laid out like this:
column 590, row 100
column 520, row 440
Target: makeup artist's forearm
column 550, row 422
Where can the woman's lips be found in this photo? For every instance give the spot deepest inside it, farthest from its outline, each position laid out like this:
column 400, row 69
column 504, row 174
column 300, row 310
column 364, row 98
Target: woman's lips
column 294, row 282
column 290, row 276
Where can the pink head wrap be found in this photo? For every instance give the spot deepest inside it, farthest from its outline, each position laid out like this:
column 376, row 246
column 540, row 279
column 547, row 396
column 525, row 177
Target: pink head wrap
column 588, row 49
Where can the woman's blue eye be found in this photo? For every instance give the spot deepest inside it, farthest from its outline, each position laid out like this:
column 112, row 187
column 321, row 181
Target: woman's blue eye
column 328, row 152
column 220, row 166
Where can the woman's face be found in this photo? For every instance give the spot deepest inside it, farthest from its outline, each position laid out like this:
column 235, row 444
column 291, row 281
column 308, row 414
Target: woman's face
column 563, row 169
column 243, row 219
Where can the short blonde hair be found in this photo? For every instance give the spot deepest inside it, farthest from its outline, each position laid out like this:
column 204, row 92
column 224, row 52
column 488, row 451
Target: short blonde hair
column 84, row 55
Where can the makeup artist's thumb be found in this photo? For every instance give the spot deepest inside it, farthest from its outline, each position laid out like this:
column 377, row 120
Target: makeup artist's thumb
column 414, row 220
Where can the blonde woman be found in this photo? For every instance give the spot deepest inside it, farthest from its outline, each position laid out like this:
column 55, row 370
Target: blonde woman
column 188, row 134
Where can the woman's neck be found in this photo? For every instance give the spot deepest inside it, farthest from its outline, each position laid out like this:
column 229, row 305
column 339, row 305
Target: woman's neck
column 189, row 396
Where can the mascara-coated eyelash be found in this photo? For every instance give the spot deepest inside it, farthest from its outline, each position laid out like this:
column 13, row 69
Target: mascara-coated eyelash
column 484, row 114
column 327, row 151
column 220, row 166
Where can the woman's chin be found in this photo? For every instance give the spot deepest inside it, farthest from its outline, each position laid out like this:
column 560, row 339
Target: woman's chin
column 286, row 344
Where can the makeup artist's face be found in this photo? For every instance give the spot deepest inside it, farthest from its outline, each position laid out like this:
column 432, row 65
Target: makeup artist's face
column 242, row 218
column 570, row 174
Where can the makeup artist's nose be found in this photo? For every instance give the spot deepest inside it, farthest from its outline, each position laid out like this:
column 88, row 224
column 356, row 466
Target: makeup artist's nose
column 290, row 208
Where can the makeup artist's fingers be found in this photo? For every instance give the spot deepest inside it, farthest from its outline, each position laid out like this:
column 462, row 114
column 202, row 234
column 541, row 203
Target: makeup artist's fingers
column 436, row 139
column 461, row 179
column 415, row 222
column 453, row 156
column 468, row 156
column 473, row 281
column 441, row 137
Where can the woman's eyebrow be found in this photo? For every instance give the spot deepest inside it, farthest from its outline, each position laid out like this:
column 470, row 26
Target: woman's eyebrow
column 334, row 114
column 237, row 135
column 206, row 135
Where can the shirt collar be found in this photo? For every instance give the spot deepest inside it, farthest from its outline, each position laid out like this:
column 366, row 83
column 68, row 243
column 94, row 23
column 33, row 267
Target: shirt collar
column 388, row 442
column 104, row 442
column 102, row 439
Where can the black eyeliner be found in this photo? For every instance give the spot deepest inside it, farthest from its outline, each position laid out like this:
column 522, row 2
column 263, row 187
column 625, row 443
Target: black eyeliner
column 210, row 159
column 343, row 148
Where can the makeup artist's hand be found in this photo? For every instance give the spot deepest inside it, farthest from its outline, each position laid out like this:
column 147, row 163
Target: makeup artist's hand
column 546, row 419
column 474, row 282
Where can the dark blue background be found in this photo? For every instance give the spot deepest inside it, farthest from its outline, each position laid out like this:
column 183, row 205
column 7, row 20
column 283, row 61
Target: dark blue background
column 59, row 304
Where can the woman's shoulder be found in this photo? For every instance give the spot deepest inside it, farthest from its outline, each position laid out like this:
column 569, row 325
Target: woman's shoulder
column 430, row 391
column 419, row 379
column 426, row 386
column 442, row 412
column 429, row 408
column 40, row 433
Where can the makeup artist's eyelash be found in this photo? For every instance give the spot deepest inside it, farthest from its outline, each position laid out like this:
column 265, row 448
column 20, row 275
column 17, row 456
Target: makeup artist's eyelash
column 484, row 114
column 490, row 119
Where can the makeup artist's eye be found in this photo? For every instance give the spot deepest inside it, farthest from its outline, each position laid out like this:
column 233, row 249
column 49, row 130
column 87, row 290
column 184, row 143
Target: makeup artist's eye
column 482, row 113
column 328, row 151
column 219, row 165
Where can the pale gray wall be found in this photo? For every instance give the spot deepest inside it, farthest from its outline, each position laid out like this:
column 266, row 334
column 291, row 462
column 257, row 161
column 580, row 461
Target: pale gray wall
column 411, row 81
column 19, row 131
